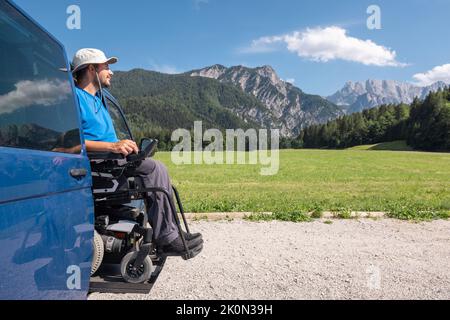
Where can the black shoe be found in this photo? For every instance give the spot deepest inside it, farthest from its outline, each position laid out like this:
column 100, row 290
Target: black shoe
column 176, row 247
column 191, row 236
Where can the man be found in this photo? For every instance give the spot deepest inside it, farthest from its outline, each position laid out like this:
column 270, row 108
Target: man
column 91, row 72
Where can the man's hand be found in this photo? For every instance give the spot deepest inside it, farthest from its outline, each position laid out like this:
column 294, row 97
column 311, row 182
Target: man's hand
column 125, row 147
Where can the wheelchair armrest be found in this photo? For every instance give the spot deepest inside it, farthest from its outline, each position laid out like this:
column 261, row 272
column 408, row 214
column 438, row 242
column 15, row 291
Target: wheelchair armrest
column 103, row 155
column 116, row 156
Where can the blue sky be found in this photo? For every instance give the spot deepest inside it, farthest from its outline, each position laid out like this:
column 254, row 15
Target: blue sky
column 180, row 35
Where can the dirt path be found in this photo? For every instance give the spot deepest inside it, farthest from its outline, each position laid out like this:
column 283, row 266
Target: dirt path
column 348, row 259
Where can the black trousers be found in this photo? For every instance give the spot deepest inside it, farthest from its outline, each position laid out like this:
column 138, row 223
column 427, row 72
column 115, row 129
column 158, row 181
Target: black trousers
column 154, row 174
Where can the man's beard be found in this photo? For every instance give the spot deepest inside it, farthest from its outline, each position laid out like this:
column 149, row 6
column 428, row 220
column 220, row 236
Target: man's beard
column 103, row 84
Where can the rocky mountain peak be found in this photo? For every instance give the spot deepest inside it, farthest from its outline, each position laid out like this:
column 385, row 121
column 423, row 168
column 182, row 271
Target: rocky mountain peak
column 269, row 72
column 213, row 72
column 357, row 96
column 290, row 108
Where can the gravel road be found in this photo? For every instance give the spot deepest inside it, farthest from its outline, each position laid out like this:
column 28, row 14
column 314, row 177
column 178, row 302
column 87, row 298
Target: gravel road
column 347, row 259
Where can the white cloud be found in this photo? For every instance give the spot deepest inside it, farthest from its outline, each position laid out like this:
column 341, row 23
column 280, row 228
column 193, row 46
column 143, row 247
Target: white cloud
column 264, row 44
column 439, row 73
column 290, row 80
column 30, row 93
column 165, row 68
column 326, row 44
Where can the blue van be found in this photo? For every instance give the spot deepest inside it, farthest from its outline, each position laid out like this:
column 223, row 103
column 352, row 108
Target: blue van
column 46, row 206
column 71, row 222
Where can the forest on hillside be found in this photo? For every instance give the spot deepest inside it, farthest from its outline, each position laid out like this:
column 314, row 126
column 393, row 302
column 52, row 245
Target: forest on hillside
column 425, row 125
column 156, row 104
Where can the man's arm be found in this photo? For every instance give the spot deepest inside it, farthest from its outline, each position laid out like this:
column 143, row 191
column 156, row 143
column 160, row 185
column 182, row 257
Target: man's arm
column 124, row 147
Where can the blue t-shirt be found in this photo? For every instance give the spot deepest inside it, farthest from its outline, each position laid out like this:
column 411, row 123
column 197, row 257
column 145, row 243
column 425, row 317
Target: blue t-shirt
column 96, row 121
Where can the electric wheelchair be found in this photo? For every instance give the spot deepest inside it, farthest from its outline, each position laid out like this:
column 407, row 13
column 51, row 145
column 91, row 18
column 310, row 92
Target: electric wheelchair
column 124, row 250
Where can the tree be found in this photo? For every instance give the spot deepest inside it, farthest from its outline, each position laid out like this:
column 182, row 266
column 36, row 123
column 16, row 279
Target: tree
column 424, row 124
column 429, row 122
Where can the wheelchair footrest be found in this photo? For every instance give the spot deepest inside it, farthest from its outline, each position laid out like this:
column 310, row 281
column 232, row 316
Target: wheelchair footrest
column 193, row 252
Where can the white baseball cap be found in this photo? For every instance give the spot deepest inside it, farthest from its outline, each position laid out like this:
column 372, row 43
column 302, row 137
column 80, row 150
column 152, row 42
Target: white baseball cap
column 88, row 56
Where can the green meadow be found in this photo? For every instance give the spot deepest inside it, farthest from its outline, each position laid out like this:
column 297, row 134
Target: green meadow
column 399, row 145
column 406, row 184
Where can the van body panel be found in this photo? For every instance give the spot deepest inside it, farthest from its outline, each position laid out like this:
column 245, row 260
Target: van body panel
column 46, row 214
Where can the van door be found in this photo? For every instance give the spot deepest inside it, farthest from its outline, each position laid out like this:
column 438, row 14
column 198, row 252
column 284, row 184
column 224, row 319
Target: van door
column 46, row 206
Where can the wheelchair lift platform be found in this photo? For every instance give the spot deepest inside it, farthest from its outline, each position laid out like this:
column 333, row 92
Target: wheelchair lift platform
column 109, row 280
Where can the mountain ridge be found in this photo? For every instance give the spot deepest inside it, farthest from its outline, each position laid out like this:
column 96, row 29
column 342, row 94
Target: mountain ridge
column 360, row 95
column 286, row 102
column 167, row 102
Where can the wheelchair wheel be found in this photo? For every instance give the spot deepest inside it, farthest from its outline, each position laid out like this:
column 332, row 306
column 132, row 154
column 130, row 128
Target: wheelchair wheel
column 136, row 275
column 98, row 252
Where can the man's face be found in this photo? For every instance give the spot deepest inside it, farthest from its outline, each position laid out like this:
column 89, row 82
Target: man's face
column 104, row 74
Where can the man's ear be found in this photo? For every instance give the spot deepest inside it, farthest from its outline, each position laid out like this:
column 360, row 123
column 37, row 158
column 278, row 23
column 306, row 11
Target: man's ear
column 91, row 68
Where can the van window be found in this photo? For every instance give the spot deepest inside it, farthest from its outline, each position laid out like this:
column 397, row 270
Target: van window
column 118, row 120
column 37, row 106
